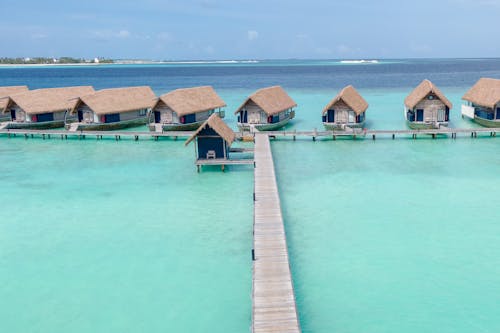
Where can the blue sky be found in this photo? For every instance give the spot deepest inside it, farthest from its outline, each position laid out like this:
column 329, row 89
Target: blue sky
column 250, row 29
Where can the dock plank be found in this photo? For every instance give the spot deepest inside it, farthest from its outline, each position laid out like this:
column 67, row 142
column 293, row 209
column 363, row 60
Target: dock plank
column 274, row 308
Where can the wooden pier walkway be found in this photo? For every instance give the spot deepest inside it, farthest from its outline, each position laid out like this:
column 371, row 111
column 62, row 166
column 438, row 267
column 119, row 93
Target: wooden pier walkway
column 274, row 308
column 373, row 134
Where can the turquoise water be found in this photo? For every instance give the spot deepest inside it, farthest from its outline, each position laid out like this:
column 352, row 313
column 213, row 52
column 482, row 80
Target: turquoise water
column 393, row 236
column 105, row 236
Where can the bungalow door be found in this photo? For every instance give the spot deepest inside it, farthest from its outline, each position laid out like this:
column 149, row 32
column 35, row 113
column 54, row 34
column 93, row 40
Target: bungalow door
column 331, row 116
column 157, row 117
column 243, row 116
column 420, row 114
column 13, row 114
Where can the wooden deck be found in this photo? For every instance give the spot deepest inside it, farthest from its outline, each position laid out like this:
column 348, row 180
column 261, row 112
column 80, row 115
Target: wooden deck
column 118, row 135
column 373, row 134
column 274, row 308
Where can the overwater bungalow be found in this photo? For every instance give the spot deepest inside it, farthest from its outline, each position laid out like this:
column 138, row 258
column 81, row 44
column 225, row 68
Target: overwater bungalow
column 185, row 109
column 42, row 108
column 346, row 110
column 6, row 92
column 114, row 108
column 266, row 109
column 483, row 103
column 426, row 107
column 213, row 139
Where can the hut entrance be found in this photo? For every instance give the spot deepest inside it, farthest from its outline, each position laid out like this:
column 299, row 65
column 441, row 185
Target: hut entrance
column 157, row 117
column 13, row 114
column 243, row 116
column 420, row 115
column 80, row 116
column 331, row 116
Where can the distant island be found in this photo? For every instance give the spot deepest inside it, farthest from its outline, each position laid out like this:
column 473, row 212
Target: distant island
column 48, row 61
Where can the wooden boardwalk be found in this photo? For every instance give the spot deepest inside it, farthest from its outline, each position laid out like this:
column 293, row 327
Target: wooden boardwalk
column 274, row 308
column 373, row 134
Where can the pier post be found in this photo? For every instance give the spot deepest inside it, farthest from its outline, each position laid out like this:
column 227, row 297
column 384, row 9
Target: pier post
column 373, row 137
column 393, row 136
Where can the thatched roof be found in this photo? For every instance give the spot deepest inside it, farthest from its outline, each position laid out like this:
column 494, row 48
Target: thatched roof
column 352, row 98
column 192, row 100
column 48, row 99
column 117, row 100
column 425, row 88
column 8, row 91
column 219, row 126
column 486, row 92
column 271, row 100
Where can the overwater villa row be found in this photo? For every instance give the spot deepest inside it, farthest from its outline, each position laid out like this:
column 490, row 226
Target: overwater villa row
column 83, row 108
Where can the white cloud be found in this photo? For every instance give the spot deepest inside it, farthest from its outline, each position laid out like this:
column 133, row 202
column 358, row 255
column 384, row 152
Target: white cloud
column 123, row 34
column 38, row 35
column 252, row 35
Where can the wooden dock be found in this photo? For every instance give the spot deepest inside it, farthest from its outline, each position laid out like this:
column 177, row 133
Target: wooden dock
column 99, row 135
column 403, row 133
column 274, row 308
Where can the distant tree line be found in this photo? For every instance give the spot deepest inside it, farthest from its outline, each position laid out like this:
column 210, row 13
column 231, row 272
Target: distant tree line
column 44, row 61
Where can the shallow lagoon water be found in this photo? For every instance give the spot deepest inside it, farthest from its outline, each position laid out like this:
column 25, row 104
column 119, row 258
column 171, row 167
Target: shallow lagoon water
column 393, row 236
column 108, row 236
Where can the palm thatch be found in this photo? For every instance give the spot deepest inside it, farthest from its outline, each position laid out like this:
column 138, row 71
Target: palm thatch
column 425, row 88
column 271, row 100
column 118, row 100
column 49, row 99
column 5, row 92
column 486, row 92
column 352, row 98
column 191, row 100
column 219, row 126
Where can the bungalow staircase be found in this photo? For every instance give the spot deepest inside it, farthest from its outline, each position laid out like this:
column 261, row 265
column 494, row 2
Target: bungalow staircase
column 73, row 127
column 158, row 128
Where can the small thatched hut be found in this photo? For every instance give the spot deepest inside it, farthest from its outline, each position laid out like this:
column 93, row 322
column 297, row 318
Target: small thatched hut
column 427, row 107
column 113, row 109
column 483, row 102
column 266, row 109
column 185, row 109
column 213, row 139
column 5, row 92
column 43, row 108
column 347, row 109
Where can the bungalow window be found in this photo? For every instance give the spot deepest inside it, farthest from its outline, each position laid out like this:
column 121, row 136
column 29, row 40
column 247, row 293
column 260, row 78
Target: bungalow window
column 142, row 112
column 44, row 117
column 111, row 118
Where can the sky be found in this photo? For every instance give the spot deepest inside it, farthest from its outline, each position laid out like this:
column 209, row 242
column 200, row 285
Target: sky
column 250, row 29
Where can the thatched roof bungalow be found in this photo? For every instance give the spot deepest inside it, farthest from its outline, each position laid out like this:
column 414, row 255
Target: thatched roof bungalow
column 483, row 102
column 213, row 139
column 427, row 107
column 347, row 109
column 43, row 108
column 266, row 109
column 5, row 92
column 113, row 109
column 185, row 109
